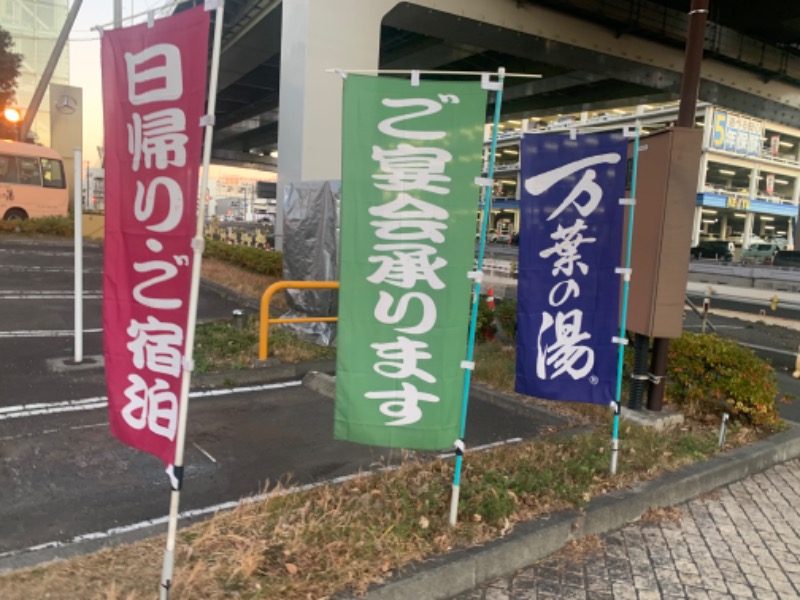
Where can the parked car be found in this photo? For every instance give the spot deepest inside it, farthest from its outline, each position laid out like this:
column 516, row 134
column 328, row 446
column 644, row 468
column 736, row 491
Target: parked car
column 503, row 238
column 787, row 258
column 719, row 249
column 515, row 238
column 490, row 233
column 760, row 253
column 498, row 237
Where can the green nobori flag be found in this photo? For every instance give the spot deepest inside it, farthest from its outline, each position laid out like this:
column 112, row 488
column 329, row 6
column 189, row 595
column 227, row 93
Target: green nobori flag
column 409, row 200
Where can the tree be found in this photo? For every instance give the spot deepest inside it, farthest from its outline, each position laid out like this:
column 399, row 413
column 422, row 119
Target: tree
column 9, row 71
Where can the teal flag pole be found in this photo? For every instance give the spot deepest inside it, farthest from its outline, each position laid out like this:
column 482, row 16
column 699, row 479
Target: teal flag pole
column 626, row 272
column 468, row 364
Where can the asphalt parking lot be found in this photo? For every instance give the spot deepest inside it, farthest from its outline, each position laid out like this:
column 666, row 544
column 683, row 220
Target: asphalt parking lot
column 67, row 486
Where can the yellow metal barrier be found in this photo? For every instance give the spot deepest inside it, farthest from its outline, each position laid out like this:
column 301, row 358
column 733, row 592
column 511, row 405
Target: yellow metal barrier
column 265, row 321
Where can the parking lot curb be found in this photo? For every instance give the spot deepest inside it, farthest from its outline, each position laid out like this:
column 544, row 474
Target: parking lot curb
column 446, row 576
column 269, row 372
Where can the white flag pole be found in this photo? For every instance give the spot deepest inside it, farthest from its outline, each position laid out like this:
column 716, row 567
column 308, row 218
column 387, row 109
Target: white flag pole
column 77, row 211
column 197, row 245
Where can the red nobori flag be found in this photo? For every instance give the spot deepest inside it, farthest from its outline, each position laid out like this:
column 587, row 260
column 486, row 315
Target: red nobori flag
column 154, row 89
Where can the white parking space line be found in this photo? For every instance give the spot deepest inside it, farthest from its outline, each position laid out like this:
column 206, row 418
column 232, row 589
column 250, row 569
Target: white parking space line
column 61, row 296
column 32, row 410
column 205, row 453
column 48, row 431
column 31, row 251
column 31, row 333
column 224, row 506
column 43, row 293
column 37, row 269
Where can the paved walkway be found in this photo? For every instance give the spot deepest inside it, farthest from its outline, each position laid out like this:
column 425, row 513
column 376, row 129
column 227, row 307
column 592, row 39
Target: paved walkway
column 741, row 541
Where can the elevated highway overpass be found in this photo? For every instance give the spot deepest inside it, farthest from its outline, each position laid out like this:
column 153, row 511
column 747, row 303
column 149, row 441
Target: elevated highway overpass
column 591, row 55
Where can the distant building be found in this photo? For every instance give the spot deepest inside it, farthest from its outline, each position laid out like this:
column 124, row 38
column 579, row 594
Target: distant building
column 95, row 189
column 35, row 25
column 749, row 183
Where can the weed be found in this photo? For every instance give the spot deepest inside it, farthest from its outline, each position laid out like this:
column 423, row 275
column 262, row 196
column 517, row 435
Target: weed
column 287, row 347
column 495, row 365
column 220, row 346
column 340, row 539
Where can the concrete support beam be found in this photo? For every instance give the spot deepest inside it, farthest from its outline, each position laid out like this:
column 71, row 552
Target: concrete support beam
column 747, row 234
column 243, row 160
column 314, row 39
column 544, row 35
column 698, row 225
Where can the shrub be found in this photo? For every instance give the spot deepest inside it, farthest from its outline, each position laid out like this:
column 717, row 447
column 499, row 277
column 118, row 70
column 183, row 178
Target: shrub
column 484, row 326
column 710, row 375
column 247, row 257
column 506, row 314
column 59, row 226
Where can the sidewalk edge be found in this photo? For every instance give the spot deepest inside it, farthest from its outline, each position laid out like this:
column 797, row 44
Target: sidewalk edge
column 447, row 576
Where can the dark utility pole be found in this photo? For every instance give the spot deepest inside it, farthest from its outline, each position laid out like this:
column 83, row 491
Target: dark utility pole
column 690, row 86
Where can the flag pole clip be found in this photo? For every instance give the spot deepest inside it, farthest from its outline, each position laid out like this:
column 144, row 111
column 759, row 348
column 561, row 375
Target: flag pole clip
column 488, row 84
column 176, row 477
column 632, row 132
column 460, row 447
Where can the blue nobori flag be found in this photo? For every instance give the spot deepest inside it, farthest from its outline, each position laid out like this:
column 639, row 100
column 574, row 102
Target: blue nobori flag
column 570, row 247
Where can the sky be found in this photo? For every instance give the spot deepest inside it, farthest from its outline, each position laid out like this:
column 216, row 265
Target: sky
column 84, row 70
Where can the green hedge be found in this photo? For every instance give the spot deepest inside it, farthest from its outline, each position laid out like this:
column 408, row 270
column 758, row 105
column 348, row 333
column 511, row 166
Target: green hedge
column 59, row 226
column 253, row 259
column 506, row 315
column 708, row 374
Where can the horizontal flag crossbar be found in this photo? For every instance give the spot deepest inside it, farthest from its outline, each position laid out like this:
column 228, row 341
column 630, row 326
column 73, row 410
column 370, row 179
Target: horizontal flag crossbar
column 411, row 72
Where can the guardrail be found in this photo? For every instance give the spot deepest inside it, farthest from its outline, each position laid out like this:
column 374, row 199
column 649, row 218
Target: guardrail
column 265, row 321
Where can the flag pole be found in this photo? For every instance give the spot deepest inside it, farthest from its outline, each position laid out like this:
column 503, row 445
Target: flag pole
column 476, row 290
column 625, row 289
column 197, row 245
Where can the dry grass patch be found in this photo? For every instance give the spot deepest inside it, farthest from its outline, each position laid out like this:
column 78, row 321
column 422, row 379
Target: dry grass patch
column 287, row 347
column 319, row 542
column 241, row 280
column 219, row 346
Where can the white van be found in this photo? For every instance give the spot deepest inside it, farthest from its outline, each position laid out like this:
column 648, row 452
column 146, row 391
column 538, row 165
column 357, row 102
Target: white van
column 762, row 253
column 32, row 182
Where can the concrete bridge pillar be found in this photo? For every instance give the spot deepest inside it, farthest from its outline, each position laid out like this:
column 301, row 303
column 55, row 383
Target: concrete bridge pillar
column 317, row 36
